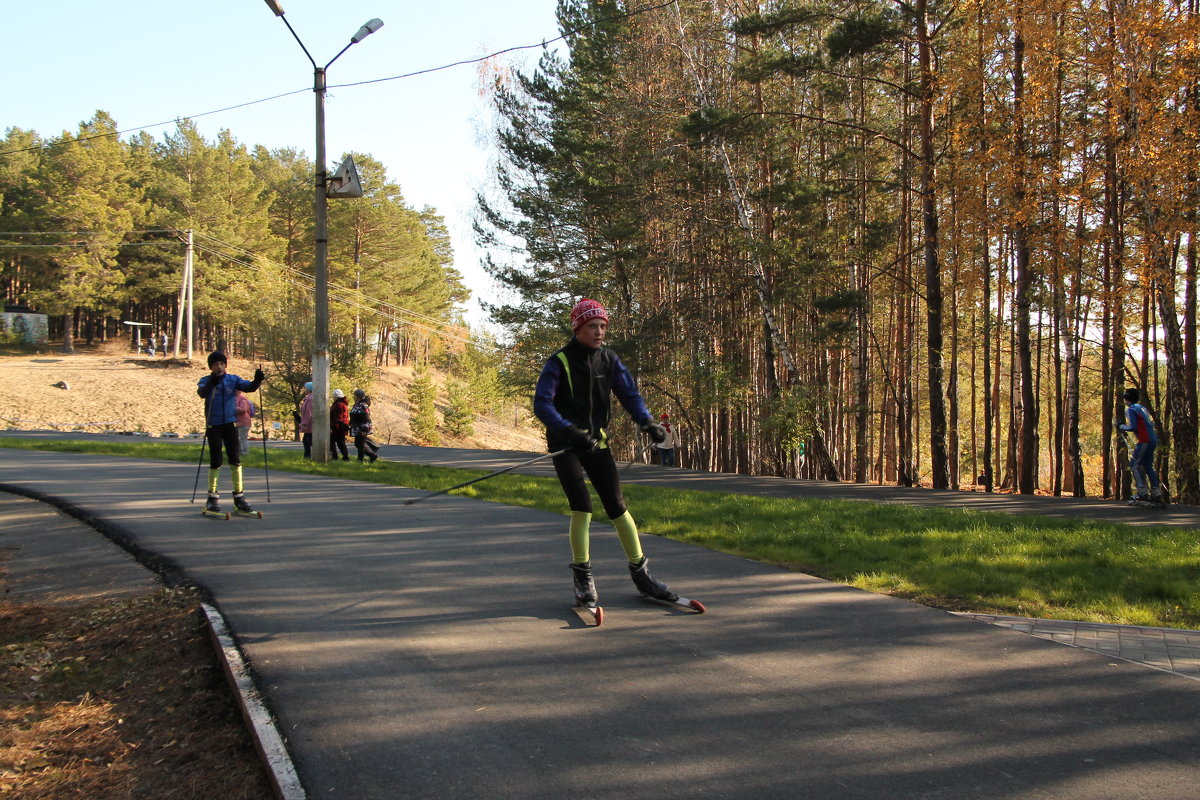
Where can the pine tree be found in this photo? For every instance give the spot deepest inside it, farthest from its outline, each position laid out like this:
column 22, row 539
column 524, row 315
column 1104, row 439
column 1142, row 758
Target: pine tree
column 87, row 196
column 460, row 414
column 422, row 403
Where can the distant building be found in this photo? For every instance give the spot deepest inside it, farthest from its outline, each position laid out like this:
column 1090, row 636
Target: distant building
column 29, row 325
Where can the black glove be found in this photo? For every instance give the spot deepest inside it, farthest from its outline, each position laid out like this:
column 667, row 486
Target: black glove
column 656, row 432
column 259, row 377
column 580, row 440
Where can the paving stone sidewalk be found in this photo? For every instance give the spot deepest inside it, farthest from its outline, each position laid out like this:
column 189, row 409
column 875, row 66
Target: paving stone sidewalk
column 1168, row 649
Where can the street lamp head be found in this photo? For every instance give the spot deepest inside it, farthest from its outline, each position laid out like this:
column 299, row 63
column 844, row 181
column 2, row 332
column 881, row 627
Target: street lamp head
column 366, row 30
column 274, row 6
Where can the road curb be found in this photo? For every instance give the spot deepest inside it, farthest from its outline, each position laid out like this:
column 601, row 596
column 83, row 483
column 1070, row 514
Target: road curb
column 267, row 738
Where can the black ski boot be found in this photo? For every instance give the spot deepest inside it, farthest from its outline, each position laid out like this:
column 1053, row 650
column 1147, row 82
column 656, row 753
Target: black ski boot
column 585, row 587
column 242, row 507
column 213, row 503
column 648, row 585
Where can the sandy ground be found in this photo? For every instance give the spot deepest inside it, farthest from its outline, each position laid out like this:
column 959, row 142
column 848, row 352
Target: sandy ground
column 112, row 390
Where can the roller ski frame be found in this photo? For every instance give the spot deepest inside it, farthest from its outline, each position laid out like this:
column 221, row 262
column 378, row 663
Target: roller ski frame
column 695, row 606
column 212, row 508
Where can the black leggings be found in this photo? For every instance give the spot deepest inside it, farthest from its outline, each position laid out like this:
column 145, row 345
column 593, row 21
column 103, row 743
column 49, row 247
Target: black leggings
column 227, row 435
column 601, row 469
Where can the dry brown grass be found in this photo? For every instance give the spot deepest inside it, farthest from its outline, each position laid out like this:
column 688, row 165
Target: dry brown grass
column 119, row 699
column 110, row 389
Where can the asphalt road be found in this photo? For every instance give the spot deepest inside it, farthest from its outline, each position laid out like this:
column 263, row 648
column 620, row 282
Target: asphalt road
column 430, row 651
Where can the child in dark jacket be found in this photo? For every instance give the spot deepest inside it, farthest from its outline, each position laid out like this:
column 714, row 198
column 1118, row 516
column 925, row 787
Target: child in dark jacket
column 219, row 390
column 339, row 425
column 360, row 426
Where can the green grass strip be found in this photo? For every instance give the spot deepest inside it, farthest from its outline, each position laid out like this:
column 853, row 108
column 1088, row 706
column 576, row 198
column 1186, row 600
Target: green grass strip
column 947, row 558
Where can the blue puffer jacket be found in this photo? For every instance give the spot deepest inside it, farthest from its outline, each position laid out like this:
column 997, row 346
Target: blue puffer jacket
column 220, row 401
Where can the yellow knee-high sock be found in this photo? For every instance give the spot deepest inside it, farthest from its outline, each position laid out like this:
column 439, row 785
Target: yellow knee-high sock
column 212, row 480
column 580, row 520
column 236, row 471
column 627, row 533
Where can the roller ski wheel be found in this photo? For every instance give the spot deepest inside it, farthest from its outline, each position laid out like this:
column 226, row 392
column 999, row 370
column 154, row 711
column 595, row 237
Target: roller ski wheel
column 590, row 613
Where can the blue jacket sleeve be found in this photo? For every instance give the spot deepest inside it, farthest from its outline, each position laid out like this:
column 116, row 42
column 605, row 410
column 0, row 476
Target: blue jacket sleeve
column 543, row 397
column 626, row 391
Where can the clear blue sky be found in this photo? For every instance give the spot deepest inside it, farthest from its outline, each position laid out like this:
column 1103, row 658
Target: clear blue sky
column 150, row 62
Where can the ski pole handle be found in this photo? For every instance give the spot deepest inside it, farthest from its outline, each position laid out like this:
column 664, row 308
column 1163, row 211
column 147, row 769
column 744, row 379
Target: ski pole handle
column 485, row 477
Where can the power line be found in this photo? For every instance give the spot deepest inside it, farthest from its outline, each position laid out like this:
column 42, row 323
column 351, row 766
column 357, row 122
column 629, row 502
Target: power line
column 82, row 232
column 61, row 142
column 331, row 284
column 340, row 295
column 397, row 309
column 543, row 43
column 78, row 244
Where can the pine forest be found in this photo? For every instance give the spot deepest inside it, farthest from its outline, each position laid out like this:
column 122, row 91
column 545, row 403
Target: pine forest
column 927, row 243
column 94, row 230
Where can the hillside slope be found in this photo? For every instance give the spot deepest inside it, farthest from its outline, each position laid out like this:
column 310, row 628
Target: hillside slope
column 108, row 389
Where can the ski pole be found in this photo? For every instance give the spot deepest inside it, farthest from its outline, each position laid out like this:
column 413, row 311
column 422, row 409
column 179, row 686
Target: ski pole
column 196, row 485
column 262, row 420
column 639, row 456
column 485, row 477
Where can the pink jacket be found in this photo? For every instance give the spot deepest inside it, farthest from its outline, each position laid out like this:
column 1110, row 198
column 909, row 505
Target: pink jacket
column 306, row 414
column 245, row 411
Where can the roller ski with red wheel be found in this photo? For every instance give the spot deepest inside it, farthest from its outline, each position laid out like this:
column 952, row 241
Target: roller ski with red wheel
column 243, row 509
column 694, row 606
column 590, row 613
column 654, row 589
column 585, row 594
column 212, row 508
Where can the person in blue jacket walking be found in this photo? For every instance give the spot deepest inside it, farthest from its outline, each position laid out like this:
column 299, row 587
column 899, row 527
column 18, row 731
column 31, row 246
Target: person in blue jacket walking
column 572, row 400
column 219, row 390
column 1141, row 460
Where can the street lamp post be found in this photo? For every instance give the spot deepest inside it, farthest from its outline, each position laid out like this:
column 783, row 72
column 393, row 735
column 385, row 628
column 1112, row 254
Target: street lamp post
column 320, row 357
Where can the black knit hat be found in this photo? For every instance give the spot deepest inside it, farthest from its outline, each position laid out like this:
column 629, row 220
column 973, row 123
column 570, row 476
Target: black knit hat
column 216, row 356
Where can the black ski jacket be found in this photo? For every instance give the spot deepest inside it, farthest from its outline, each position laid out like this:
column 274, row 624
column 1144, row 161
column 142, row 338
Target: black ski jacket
column 573, row 390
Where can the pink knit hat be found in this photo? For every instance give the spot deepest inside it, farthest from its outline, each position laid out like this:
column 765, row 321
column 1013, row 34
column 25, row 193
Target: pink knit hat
column 586, row 310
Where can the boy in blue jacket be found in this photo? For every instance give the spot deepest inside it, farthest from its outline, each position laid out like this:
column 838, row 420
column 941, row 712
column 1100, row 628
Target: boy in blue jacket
column 572, row 400
column 1141, row 459
column 219, row 390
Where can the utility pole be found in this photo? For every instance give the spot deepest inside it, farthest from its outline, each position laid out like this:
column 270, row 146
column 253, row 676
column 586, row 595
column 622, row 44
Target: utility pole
column 320, row 357
column 185, row 297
